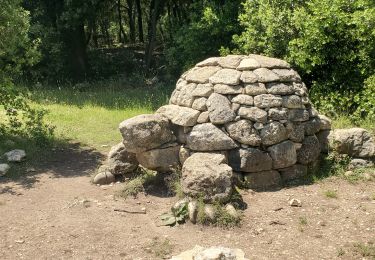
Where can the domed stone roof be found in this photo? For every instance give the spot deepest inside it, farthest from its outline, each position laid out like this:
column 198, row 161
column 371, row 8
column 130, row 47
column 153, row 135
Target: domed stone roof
column 254, row 109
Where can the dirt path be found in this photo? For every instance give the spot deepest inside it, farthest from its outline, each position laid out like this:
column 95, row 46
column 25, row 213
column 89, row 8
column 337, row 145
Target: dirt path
column 56, row 213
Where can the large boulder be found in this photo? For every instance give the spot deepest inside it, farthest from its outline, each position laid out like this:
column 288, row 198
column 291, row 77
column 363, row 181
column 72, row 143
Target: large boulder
column 207, row 175
column 309, row 151
column 183, row 116
column 283, row 154
column 145, row 132
column 219, row 109
column 356, row 142
column 207, row 137
column 263, row 180
column 163, row 159
column 250, row 160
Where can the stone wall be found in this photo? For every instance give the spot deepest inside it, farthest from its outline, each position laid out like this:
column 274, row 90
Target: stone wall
column 236, row 117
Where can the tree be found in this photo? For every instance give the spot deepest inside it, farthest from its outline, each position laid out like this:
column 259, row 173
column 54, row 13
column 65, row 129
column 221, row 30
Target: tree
column 330, row 42
column 17, row 51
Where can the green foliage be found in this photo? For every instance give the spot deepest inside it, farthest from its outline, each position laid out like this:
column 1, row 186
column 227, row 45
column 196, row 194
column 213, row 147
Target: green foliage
column 366, row 100
column 330, row 194
column 16, row 52
column 177, row 215
column 211, row 26
column 142, row 179
column 16, row 49
column 331, row 43
column 267, row 27
column 333, row 164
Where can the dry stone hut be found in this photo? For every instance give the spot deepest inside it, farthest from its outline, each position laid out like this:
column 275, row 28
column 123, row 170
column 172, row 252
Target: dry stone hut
column 243, row 116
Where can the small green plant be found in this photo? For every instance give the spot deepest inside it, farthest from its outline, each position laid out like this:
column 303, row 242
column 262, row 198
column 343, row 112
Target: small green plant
column 340, row 252
column 333, row 164
column 177, row 215
column 373, row 196
column 365, row 250
column 302, row 221
column 360, row 174
column 330, row 194
column 137, row 184
column 226, row 220
column 160, row 248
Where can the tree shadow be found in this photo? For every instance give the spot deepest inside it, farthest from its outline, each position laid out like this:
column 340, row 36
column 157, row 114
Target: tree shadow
column 62, row 160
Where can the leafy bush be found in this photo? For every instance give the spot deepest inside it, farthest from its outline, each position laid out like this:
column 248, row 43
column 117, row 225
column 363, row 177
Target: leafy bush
column 17, row 52
column 211, row 26
column 330, row 42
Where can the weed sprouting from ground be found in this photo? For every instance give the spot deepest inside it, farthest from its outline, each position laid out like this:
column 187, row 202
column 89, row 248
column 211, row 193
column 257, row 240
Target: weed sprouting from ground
column 160, row 248
column 222, row 217
column 331, row 194
column 365, row 250
column 333, row 164
column 138, row 183
column 302, row 221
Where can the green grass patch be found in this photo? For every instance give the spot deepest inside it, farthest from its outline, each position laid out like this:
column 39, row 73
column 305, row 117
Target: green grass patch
column 331, row 194
column 346, row 122
column 365, row 250
column 138, row 184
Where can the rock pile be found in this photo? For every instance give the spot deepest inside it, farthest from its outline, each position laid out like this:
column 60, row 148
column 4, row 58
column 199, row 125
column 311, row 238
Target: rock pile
column 244, row 116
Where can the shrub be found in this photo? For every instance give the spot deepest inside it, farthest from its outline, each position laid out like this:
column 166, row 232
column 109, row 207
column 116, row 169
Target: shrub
column 330, row 42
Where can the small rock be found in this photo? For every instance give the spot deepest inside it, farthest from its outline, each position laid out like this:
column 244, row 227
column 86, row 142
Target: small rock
column 210, row 212
column 16, row 155
column 4, row 168
column 229, row 208
column 104, row 176
column 295, row 203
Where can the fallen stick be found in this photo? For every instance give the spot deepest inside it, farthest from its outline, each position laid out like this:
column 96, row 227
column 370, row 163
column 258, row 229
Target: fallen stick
column 129, row 211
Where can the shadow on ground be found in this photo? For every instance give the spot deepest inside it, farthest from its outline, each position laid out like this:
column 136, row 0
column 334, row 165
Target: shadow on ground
column 66, row 161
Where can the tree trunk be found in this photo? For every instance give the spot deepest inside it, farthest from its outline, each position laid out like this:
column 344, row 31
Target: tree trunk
column 76, row 42
column 155, row 9
column 121, row 33
column 140, row 22
column 131, row 20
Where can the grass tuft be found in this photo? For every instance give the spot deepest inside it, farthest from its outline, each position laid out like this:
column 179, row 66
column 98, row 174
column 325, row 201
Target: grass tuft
column 331, row 194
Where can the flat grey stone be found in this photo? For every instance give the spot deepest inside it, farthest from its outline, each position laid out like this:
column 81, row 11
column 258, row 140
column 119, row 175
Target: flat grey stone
column 278, row 88
column 207, row 137
column 283, row 154
column 145, row 132
column 249, row 160
column 226, row 76
column 178, row 115
column 243, row 100
column 273, row 133
column 248, row 77
column 201, row 74
column 243, row 132
column 248, row 64
column 265, row 75
column 203, row 90
column 287, row 75
column 267, row 101
column 253, row 113
column 227, row 89
column 267, row 62
column 310, row 150
column 255, row 89
column 199, row 104
column 219, row 109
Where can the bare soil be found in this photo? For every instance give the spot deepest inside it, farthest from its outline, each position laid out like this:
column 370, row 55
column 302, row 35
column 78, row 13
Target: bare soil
column 56, row 213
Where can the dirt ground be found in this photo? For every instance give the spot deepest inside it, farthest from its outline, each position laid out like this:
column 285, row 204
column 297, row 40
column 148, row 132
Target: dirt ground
column 56, row 213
